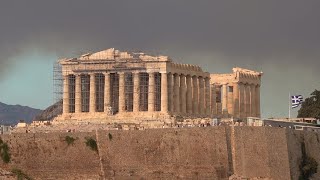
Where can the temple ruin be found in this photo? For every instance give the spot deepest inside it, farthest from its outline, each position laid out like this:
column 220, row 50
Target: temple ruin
column 129, row 87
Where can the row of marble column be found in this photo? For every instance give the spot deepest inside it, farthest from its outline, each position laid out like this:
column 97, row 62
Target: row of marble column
column 189, row 95
column 180, row 94
column 242, row 101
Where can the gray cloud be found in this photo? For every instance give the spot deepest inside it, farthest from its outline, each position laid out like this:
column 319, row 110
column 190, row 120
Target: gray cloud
column 280, row 38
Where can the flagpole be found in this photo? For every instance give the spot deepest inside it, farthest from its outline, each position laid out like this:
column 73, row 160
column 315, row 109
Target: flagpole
column 289, row 106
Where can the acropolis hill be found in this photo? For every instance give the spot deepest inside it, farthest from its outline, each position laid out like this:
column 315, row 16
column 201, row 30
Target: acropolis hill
column 129, row 87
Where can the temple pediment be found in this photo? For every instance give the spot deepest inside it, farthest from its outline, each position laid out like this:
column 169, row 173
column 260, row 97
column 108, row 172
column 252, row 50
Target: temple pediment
column 113, row 54
column 108, row 54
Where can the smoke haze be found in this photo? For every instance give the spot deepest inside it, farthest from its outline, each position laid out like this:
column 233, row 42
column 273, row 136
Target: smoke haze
column 280, row 38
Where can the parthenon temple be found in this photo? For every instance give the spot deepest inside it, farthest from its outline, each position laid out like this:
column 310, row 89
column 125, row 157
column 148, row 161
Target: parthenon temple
column 115, row 86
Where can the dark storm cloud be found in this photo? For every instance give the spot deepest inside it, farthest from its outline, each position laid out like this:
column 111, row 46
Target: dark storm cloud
column 280, row 38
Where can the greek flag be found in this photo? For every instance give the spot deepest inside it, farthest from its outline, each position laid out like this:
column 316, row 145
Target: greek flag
column 296, row 101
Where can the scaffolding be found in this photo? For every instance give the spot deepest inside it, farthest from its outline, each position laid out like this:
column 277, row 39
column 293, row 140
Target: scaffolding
column 99, row 83
column 85, row 92
column 57, row 83
column 114, row 86
column 128, row 92
column 72, row 92
column 144, row 91
column 157, row 97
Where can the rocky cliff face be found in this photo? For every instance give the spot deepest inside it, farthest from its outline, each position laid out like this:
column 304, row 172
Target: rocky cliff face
column 12, row 114
column 51, row 112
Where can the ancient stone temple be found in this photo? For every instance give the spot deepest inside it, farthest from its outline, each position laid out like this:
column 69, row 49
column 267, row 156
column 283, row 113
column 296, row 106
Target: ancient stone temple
column 237, row 94
column 130, row 87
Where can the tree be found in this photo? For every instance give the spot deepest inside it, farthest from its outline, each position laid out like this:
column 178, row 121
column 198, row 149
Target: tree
column 311, row 106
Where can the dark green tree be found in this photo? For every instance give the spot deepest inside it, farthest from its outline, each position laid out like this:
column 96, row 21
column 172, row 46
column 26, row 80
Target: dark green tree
column 311, row 106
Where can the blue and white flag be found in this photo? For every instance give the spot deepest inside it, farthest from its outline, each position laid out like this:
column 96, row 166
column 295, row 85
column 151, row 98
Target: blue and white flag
column 296, row 101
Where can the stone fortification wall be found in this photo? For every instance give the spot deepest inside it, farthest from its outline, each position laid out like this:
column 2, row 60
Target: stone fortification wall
column 187, row 153
column 173, row 153
column 260, row 152
column 47, row 156
column 295, row 141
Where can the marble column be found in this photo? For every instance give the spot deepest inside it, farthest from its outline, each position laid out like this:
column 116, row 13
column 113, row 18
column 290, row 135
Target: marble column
column 224, row 99
column 122, row 101
column 207, row 96
column 258, row 101
column 170, row 92
column 241, row 100
column 65, row 108
column 195, row 95
column 253, row 100
column 219, row 104
column 230, row 100
column 213, row 100
column 201, row 96
column 236, row 100
column 189, row 94
column 183, row 94
column 136, row 91
column 151, row 92
column 92, row 105
column 107, row 92
column 164, row 92
column 78, row 94
column 247, row 100
column 176, row 95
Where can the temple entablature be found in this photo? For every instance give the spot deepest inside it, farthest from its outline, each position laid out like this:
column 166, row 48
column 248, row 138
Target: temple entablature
column 186, row 69
column 240, row 75
column 247, row 76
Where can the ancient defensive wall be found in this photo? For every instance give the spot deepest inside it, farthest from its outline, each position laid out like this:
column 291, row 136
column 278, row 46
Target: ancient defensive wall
column 185, row 153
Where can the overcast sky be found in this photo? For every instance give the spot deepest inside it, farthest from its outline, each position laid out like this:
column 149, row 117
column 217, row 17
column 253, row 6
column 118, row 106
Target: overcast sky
column 280, row 38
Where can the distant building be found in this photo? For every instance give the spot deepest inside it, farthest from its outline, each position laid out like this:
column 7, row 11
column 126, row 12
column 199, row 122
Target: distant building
column 307, row 124
column 21, row 125
column 40, row 123
column 5, row 129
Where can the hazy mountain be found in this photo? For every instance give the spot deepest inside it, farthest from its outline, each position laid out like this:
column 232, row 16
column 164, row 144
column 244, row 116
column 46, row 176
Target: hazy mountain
column 51, row 112
column 12, row 114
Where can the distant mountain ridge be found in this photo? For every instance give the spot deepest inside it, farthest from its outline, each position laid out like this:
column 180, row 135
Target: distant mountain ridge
column 12, row 114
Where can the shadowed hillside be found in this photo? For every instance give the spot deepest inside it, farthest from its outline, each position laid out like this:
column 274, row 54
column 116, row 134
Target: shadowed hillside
column 51, row 112
column 11, row 114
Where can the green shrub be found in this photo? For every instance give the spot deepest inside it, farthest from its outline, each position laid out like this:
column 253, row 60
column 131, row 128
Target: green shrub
column 4, row 152
column 5, row 156
column 20, row 175
column 308, row 165
column 69, row 140
column 92, row 143
column 110, row 136
column 5, row 147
